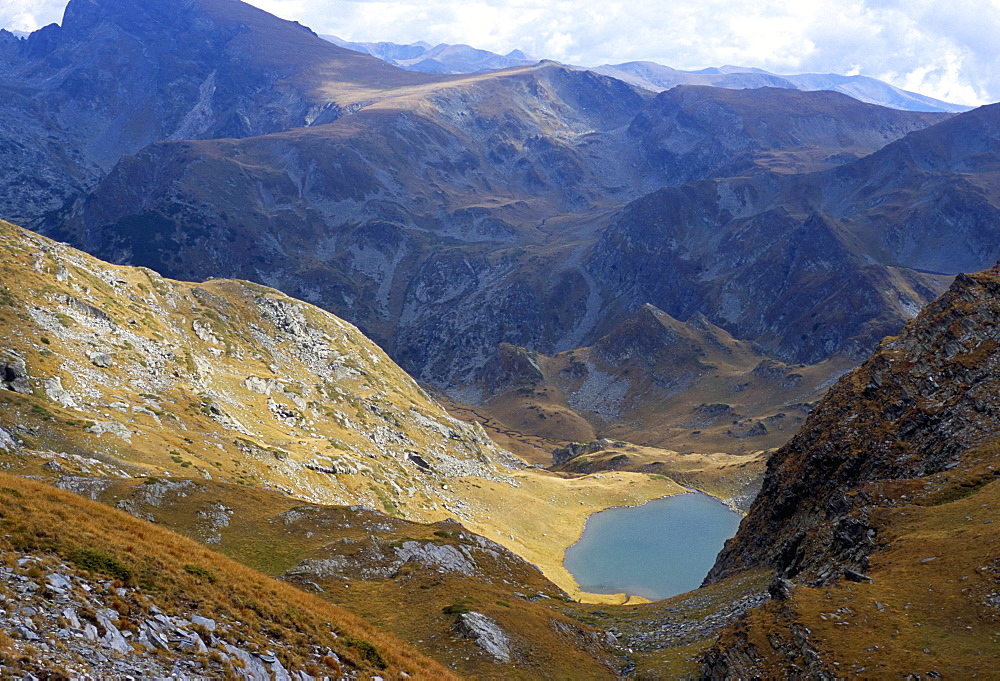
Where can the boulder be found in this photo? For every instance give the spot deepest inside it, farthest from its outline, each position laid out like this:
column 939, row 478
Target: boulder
column 486, row 632
column 14, row 376
column 101, row 359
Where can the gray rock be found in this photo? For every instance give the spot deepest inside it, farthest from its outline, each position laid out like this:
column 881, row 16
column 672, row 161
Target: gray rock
column 253, row 668
column 14, row 376
column 25, row 633
column 445, row 557
column 69, row 614
column 114, row 640
column 154, row 637
column 90, row 632
column 7, row 442
column 113, row 427
column 101, row 359
column 57, row 393
column 486, row 632
column 206, row 622
column 59, row 581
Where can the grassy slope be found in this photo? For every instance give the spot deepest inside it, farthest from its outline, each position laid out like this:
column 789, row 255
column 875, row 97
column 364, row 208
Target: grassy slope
column 178, row 386
column 273, row 533
column 40, row 520
column 932, row 604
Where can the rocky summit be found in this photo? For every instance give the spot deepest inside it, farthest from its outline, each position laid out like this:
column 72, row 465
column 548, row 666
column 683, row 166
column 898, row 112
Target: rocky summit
column 877, row 517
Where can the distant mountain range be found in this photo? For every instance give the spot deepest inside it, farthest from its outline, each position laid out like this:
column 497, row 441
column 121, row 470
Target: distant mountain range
column 657, row 77
column 446, row 214
column 444, row 58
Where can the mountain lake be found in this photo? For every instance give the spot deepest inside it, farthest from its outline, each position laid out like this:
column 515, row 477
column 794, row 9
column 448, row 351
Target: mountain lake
column 659, row 549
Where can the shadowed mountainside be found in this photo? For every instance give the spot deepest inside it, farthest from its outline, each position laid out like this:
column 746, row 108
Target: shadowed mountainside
column 884, row 496
column 484, row 230
column 117, row 75
column 809, row 264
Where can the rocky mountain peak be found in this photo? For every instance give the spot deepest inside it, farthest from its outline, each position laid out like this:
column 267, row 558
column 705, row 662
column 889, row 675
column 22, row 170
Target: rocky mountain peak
column 81, row 16
column 918, row 407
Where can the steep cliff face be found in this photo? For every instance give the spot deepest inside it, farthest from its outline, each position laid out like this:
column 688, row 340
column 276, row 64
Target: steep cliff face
column 879, row 513
column 927, row 397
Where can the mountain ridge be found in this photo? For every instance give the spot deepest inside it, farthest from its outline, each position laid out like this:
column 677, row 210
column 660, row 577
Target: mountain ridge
column 880, row 511
column 658, row 77
column 447, row 58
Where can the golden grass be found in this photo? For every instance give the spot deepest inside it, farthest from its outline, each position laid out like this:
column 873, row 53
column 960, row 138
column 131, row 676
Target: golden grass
column 38, row 519
column 194, row 413
column 927, row 609
column 545, row 514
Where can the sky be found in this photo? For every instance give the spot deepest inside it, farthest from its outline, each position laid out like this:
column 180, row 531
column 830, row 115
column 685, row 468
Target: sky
column 945, row 49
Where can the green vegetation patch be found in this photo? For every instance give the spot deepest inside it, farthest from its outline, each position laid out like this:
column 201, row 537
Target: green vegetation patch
column 368, row 652
column 199, row 571
column 96, row 561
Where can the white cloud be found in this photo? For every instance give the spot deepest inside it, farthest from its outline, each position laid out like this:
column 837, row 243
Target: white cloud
column 29, row 15
column 945, row 49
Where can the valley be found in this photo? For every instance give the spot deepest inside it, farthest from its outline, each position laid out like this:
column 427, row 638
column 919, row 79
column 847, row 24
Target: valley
column 266, row 429
column 343, row 356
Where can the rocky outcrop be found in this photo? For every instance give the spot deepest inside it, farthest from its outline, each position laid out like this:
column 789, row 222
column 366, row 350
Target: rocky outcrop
column 793, row 656
column 14, row 376
column 925, row 398
column 486, row 632
column 86, row 625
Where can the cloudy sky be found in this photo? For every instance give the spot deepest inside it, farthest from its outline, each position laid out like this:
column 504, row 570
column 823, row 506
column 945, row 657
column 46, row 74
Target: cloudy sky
column 949, row 50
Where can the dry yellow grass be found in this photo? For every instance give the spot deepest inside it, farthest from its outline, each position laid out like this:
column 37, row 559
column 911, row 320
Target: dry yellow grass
column 41, row 520
column 545, row 513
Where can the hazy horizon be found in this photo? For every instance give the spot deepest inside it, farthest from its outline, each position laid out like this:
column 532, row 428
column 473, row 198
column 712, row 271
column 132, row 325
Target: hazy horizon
column 947, row 52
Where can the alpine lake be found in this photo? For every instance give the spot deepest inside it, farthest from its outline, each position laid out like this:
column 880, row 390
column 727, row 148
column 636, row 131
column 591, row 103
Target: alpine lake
column 657, row 550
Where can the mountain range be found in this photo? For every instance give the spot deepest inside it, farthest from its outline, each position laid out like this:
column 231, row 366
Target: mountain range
column 445, row 58
column 440, row 58
column 658, row 77
column 426, row 208
column 296, row 303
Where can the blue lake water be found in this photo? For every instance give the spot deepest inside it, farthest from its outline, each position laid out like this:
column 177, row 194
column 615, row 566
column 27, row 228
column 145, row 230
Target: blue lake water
column 657, row 550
